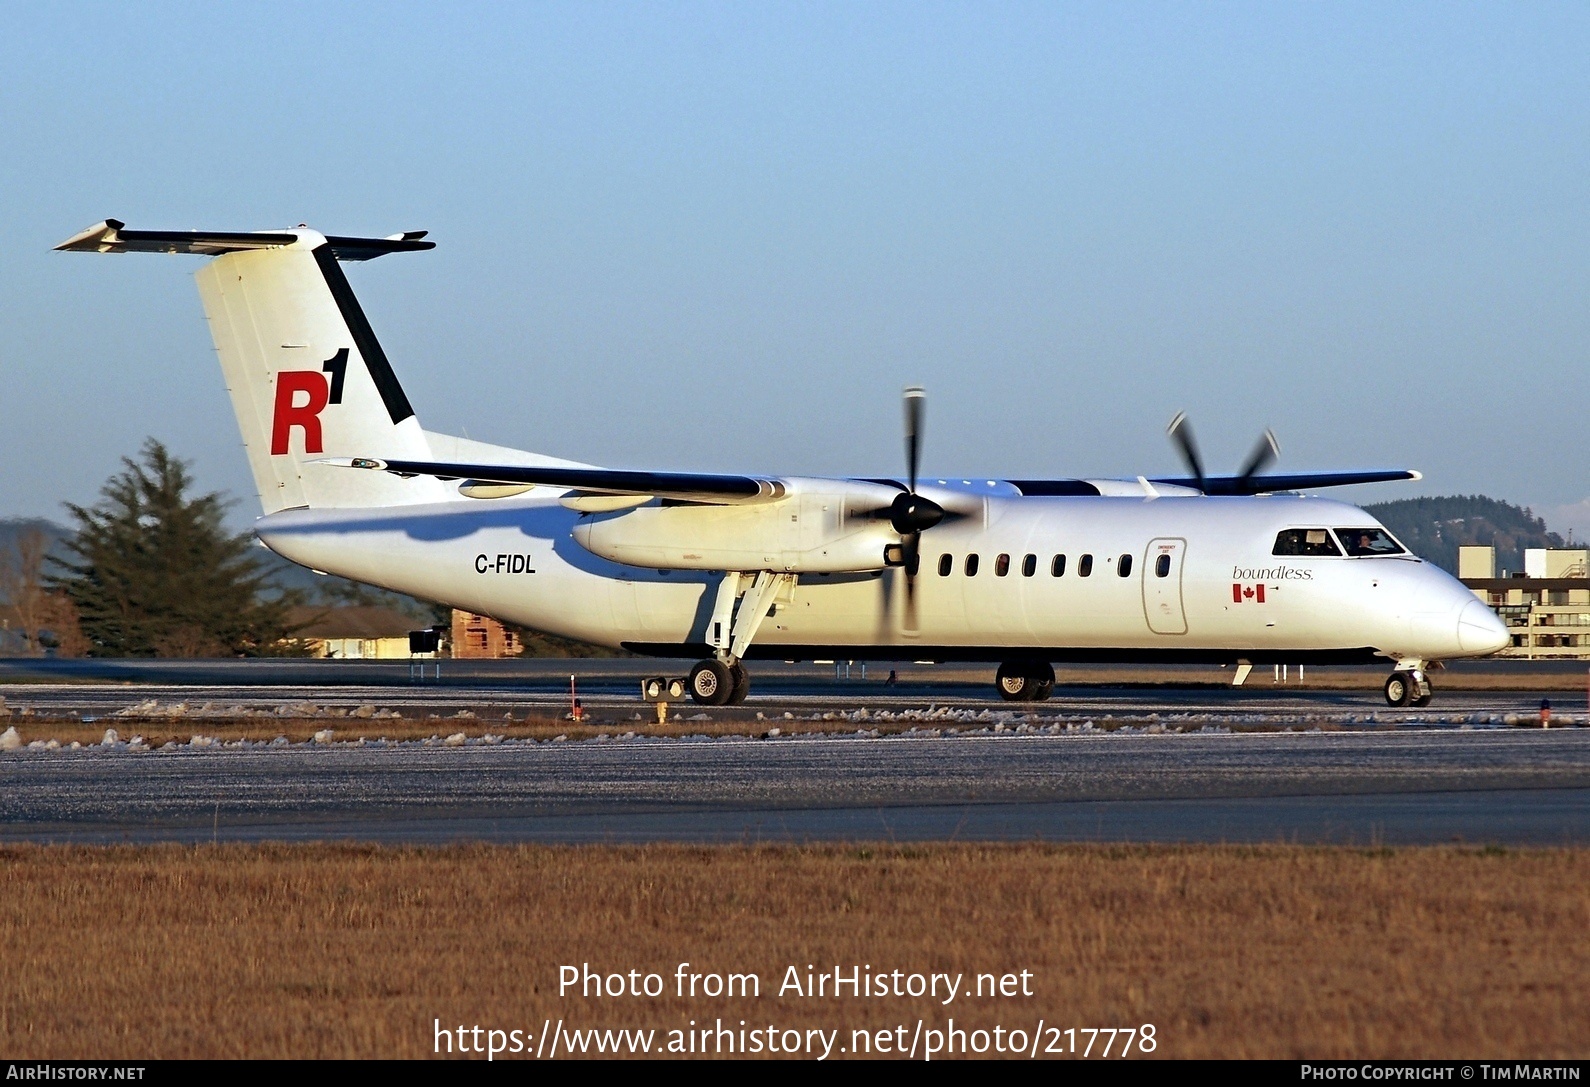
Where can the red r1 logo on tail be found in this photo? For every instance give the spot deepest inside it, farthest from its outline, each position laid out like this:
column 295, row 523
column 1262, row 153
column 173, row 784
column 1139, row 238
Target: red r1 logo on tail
column 301, row 395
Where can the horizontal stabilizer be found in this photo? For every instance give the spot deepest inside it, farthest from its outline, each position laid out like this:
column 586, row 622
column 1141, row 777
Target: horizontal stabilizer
column 680, row 486
column 112, row 236
column 1303, row 481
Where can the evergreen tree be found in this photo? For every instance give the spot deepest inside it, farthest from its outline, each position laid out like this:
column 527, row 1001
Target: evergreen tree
column 154, row 572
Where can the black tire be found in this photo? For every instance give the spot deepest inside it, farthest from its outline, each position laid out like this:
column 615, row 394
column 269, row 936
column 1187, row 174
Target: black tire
column 1399, row 689
column 1021, row 682
column 1043, row 690
column 742, row 685
column 711, row 683
column 1013, row 683
column 1422, row 701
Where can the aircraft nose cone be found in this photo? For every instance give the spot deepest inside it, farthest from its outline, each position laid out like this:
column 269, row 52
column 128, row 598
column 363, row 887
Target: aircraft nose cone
column 1480, row 630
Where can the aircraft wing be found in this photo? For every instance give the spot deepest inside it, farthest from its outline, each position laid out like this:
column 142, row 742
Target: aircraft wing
column 1302, row 481
column 712, row 489
column 680, row 486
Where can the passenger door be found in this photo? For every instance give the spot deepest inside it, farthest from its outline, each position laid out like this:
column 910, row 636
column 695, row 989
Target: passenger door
column 1162, row 605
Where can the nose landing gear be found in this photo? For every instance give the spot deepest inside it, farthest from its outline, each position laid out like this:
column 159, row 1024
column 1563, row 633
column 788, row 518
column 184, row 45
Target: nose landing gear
column 1409, row 687
column 1025, row 681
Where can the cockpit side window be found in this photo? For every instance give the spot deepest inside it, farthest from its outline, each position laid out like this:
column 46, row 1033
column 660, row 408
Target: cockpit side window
column 1368, row 542
column 1305, row 541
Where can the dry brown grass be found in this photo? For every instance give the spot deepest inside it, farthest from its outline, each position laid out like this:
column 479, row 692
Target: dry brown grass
column 349, row 951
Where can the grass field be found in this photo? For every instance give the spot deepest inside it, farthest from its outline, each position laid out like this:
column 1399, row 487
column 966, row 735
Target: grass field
column 349, row 951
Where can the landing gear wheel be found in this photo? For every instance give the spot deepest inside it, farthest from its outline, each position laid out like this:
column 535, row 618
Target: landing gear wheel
column 1013, row 688
column 711, row 683
column 1024, row 681
column 742, row 684
column 1399, row 689
column 1422, row 693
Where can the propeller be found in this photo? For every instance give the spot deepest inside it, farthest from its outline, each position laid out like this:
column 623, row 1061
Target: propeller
column 1263, row 455
column 910, row 514
column 1181, row 436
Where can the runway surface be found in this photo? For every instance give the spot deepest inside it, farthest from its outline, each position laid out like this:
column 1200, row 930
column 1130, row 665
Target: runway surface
column 1365, row 787
column 1239, row 765
column 96, row 688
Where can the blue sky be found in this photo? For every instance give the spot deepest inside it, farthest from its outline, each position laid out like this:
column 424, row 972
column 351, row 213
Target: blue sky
column 723, row 236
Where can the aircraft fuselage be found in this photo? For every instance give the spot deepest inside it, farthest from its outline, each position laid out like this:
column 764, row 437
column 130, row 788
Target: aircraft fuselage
column 1069, row 578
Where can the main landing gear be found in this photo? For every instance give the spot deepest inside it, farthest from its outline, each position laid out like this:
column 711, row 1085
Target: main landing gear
column 719, row 683
column 1409, row 686
column 1025, row 681
column 723, row 680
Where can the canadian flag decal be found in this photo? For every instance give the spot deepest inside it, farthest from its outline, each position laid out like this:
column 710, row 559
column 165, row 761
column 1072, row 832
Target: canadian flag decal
column 1252, row 593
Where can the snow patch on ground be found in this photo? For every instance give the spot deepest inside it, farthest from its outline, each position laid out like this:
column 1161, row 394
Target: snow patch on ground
column 152, row 707
column 934, row 722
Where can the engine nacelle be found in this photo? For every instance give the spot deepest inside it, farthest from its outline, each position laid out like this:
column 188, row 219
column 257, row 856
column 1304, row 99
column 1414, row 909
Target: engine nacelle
column 803, row 533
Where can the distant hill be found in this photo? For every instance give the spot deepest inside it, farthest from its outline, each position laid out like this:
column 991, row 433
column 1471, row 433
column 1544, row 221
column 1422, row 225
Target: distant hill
column 13, row 527
column 1434, row 528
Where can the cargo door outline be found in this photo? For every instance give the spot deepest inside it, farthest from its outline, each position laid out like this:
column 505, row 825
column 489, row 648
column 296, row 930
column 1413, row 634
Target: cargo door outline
column 1162, row 599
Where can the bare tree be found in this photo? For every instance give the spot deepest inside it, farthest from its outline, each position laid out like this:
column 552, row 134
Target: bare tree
column 22, row 586
column 61, row 632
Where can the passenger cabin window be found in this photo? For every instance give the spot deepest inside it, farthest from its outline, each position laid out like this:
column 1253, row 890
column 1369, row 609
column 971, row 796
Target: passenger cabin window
column 1124, row 566
column 1365, row 542
column 1057, row 568
column 1029, row 566
column 1162, row 566
column 971, row 565
column 946, row 564
column 1305, row 541
column 1002, row 566
column 1085, row 566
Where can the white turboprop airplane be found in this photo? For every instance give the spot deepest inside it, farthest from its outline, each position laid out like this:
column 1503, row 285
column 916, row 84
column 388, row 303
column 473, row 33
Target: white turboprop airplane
column 729, row 568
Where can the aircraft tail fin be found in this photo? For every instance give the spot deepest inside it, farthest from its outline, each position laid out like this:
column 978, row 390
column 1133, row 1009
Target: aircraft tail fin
column 307, row 376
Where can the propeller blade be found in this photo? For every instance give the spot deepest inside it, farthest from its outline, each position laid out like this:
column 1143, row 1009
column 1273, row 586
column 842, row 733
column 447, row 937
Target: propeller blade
column 912, row 546
column 1181, row 436
column 1262, row 457
column 910, row 513
column 887, row 590
column 915, row 417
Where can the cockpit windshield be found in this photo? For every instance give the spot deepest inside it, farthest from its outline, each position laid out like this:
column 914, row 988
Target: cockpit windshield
column 1368, row 542
column 1305, row 541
